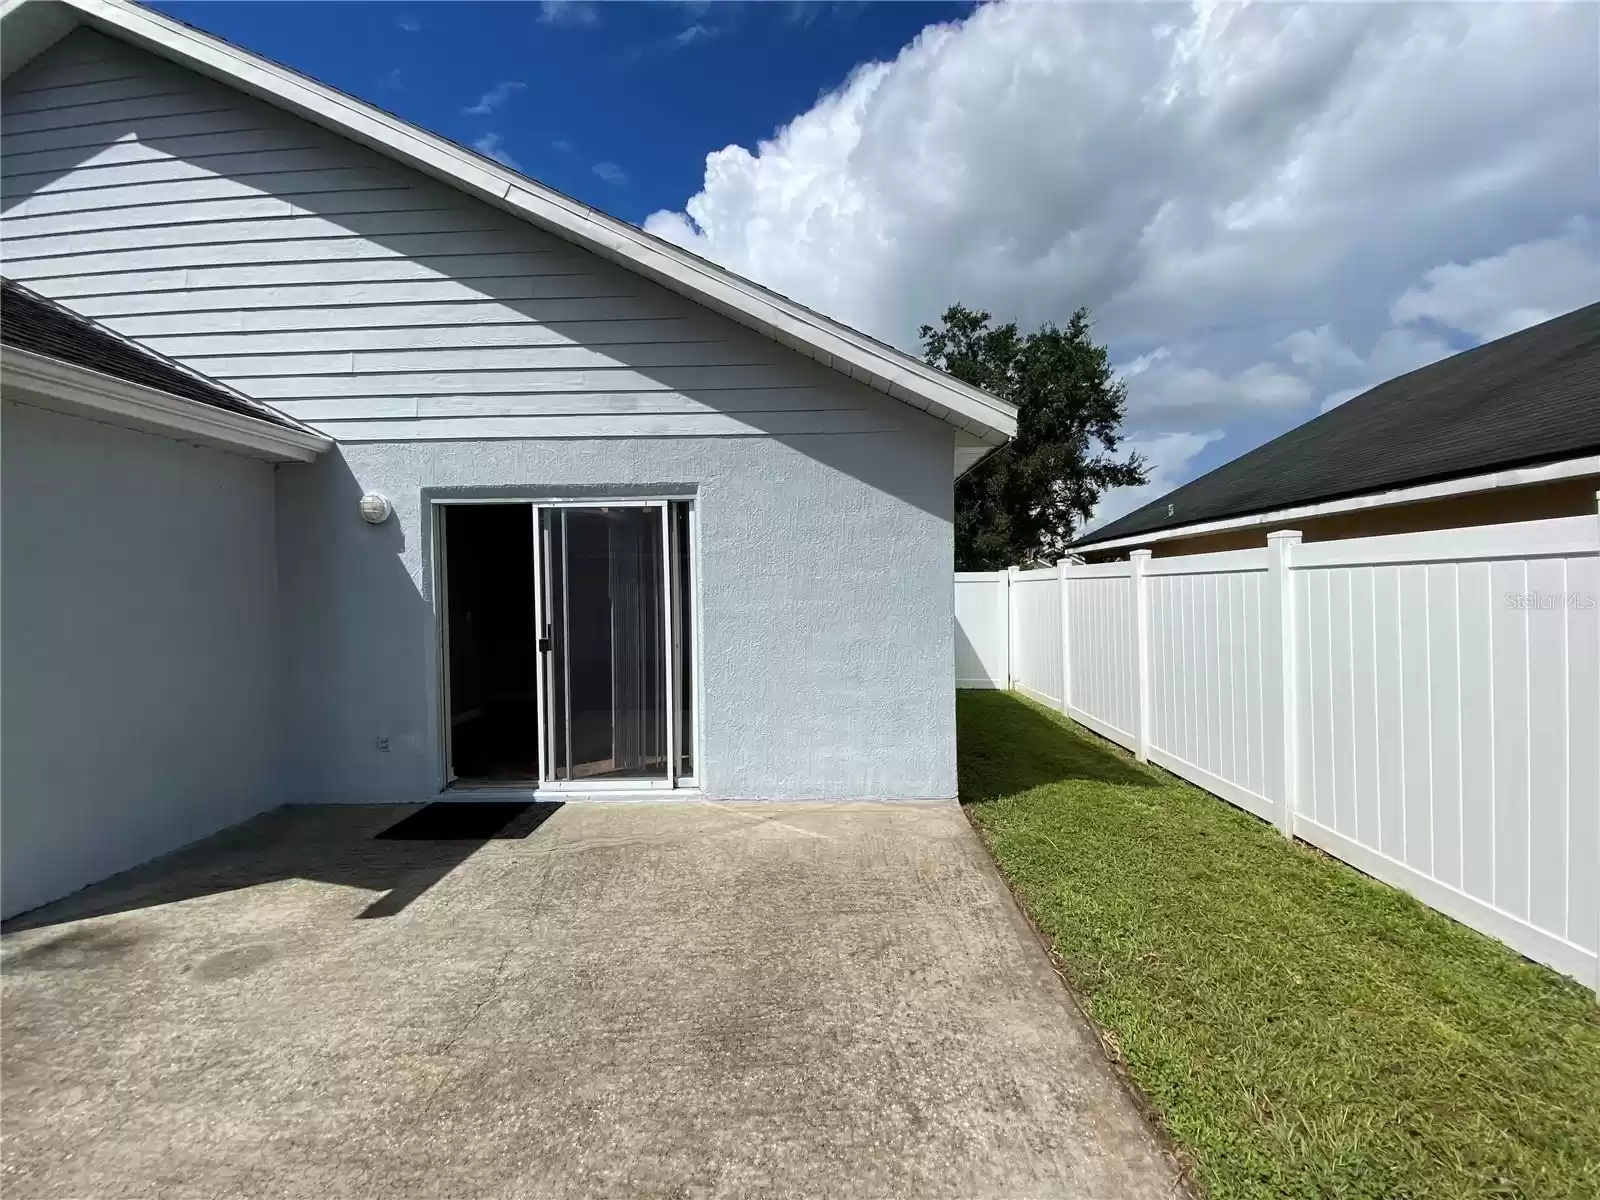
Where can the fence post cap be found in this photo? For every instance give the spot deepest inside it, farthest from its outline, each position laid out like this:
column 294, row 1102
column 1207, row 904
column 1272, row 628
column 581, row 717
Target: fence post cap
column 1140, row 554
column 1284, row 535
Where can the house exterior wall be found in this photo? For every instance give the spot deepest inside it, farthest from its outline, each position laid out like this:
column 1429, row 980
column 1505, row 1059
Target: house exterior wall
column 823, row 581
column 140, row 648
column 1535, row 502
column 449, row 345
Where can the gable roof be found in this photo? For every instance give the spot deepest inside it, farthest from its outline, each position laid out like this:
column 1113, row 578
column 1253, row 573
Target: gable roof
column 54, row 356
column 1529, row 398
column 29, row 27
column 30, row 322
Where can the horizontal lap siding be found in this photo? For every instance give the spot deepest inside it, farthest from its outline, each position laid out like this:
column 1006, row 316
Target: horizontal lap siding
column 365, row 298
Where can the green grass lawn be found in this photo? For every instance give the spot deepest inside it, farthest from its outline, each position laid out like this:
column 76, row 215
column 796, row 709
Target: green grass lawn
column 1300, row 1029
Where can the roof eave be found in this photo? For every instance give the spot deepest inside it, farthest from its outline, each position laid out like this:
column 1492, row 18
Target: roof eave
column 45, row 382
column 1510, row 477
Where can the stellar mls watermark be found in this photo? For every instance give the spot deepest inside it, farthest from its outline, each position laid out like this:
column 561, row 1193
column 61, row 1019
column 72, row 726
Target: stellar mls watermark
column 1551, row 601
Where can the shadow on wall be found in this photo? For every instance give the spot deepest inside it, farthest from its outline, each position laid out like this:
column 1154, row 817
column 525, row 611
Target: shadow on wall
column 333, row 844
column 969, row 665
column 579, row 297
column 1012, row 747
column 334, row 749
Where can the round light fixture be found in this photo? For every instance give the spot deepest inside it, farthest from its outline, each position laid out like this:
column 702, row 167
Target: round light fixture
column 375, row 509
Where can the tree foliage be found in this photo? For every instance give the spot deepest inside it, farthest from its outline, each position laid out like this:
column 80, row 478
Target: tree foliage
column 1024, row 501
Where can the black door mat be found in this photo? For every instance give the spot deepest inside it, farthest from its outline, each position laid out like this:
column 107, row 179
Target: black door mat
column 477, row 821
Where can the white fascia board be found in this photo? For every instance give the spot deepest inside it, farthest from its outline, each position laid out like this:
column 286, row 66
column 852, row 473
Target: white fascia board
column 46, row 382
column 843, row 349
column 1569, row 468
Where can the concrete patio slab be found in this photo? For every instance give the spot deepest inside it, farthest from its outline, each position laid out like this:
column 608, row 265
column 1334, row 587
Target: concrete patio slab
column 653, row 1000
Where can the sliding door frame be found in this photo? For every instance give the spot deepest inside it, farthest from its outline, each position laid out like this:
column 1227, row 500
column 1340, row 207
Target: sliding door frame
column 674, row 661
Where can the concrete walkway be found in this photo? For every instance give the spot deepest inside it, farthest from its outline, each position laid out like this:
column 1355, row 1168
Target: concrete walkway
column 651, row 1000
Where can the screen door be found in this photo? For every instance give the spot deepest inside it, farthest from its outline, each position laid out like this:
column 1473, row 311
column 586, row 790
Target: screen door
column 609, row 657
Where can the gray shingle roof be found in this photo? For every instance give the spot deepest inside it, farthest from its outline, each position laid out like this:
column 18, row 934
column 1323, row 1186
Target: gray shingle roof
column 1527, row 398
column 30, row 322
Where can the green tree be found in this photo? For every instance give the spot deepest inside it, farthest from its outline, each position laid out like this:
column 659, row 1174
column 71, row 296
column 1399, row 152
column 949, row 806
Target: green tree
column 1024, row 501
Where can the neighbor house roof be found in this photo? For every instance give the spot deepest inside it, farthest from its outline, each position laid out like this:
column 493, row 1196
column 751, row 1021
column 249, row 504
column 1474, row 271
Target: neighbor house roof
column 54, row 356
column 982, row 421
column 1526, row 399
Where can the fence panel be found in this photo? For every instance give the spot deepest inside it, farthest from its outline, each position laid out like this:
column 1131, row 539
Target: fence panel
column 1207, row 719
column 1103, row 688
column 1449, row 692
column 1425, row 706
column 1036, row 641
column 982, row 629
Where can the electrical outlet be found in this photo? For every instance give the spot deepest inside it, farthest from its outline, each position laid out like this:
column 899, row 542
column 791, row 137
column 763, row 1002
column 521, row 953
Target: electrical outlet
column 383, row 745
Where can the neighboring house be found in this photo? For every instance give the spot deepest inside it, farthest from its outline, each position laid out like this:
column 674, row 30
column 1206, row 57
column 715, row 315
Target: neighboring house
column 589, row 515
column 1509, row 431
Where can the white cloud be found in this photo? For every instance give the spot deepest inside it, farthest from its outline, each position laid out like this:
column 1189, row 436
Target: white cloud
column 568, row 12
column 1038, row 156
column 494, row 98
column 1143, row 363
column 1319, row 349
column 801, row 13
column 1502, row 293
column 1166, row 387
column 611, row 173
column 492, row 145
column 693, row 33
column 1396, row 352
column 1239, row 194
column 1169, row 456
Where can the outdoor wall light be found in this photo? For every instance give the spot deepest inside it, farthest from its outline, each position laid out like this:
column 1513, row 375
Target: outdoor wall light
column 375, row 509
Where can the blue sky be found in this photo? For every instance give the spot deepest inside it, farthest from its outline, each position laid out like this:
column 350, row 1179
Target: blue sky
column 648, row 88
column 1267, row 209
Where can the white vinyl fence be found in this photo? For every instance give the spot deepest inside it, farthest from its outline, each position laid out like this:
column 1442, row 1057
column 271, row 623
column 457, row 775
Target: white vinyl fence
column 1424, row 706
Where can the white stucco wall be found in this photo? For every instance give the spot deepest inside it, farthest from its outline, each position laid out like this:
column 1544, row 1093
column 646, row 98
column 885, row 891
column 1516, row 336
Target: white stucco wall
column 825, row 594
column 138, row 707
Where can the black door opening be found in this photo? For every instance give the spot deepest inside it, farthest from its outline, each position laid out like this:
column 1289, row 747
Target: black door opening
column 493, row 657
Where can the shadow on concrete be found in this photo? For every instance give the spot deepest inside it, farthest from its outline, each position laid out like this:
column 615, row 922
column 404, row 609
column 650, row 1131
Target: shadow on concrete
column 338, row 844
column 1005, row 745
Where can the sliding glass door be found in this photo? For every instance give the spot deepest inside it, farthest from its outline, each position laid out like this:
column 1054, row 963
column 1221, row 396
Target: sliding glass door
column 613, row 614
column 568, row 643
